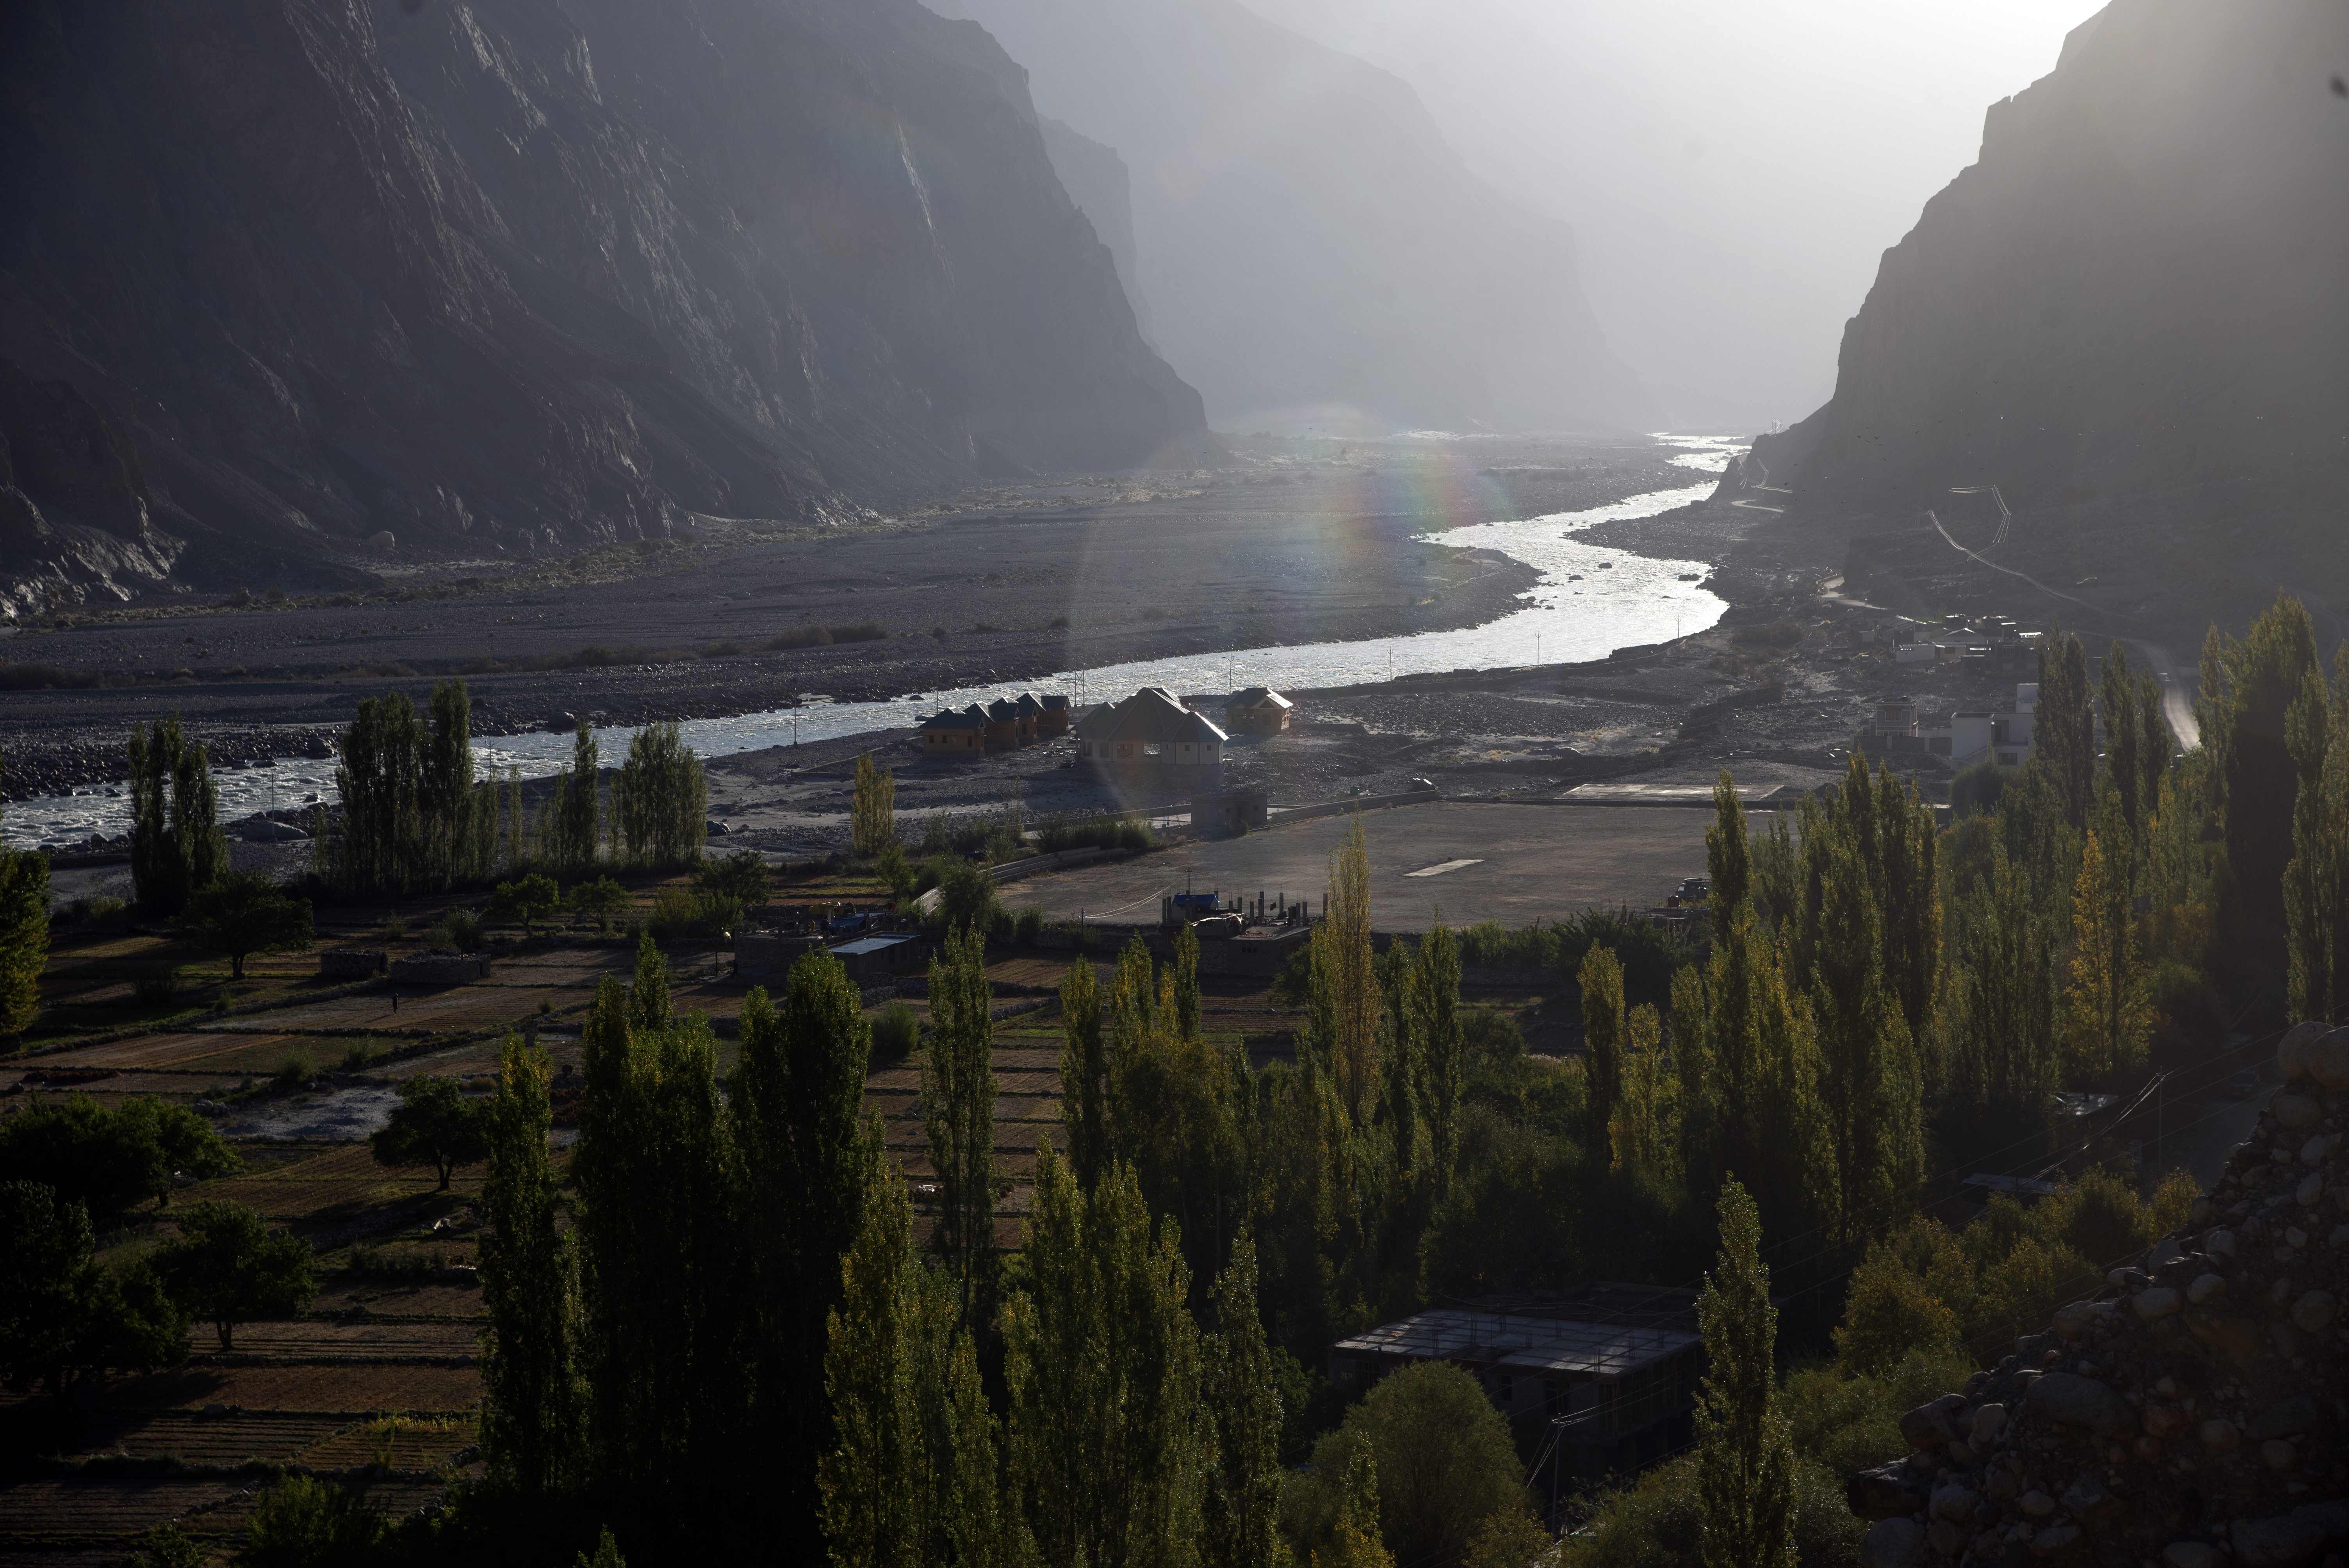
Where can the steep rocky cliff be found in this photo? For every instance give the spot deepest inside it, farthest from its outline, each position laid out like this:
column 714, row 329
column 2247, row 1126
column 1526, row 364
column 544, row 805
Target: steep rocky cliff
column 2135, row 294
column 2193, row 1413
column 1312, row 250
column 281, row 276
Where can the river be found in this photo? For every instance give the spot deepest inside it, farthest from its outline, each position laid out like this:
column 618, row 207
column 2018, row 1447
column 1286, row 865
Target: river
column 1590, row 601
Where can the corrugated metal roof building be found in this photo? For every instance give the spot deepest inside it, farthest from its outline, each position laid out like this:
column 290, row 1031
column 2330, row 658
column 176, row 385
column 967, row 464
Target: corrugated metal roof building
column 1151, row 728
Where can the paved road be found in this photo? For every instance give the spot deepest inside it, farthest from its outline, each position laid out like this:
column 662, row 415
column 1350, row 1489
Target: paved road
column 1516, row 862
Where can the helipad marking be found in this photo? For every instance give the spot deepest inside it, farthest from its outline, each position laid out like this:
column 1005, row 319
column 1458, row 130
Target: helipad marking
column 1438, row 870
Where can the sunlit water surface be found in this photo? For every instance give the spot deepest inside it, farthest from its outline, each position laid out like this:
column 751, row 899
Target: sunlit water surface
column 1590, row 600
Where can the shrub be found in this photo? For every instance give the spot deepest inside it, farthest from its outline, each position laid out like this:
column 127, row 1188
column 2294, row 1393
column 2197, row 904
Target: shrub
column 674, row 914
column 306, row 1522
column 966, row 898
column 361, row 1056
column 1446, row 1465
column 460, row 929
column 156, row 987
column 294, row 1069
column 1060, row 623
column 725, row 648
column 1029, row 926
column 395, row 929
column 1657, row 1521
column 47, row 677
column 896, row 1032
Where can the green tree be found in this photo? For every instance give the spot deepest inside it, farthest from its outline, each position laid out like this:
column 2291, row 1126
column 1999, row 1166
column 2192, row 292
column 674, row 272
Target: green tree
column 64, row 1319
column 1744, row 1453
column 532, row 1402
column 873, row 813
column 1356, row 1540
column 607, row 1553
column 958, row 1114
column 1888, row 1315
column 176, row 844
column 2006, row 1061
column 1871, row 1091
column 2064, row 725
column 2316, row 881
column 527, row 899
column 380, row 780
column 871, row 1483
column 1240, row 1407
column 1437, row 998
column 1084, row 1070
column 226, row 1268
column 1341, row 960
column 445, row 795
column 24, row 932
column 802, row 1171
column 434, row 1125
column 1602, row 1051
column 108, row 1159
column 662, row 799
column 572, row 827
column 1101, row 1362
column 743, row 876
column 2106, row 1020
column 2245, row 707
column 244, row 912
column 1443, row 1458
column 599, row 901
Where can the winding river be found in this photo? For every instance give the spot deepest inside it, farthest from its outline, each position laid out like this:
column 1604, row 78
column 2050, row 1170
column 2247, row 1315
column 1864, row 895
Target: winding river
column 1590, row 600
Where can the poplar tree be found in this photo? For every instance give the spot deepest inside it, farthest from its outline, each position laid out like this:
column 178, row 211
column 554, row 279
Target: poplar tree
column 872, row 814
column 2246, row 703
column 2107, row 1017
column 380, row 781
column 1440, row 1049
column 871, row 1485
column 1745, row 1455
column 1102, row 1361
column 24, row 929
column 445, row 792
column 1341, row 959
column 1356, row 1541
column 2317, row 881
column 1871, row 1091
column 1602, row 1052
column 1639, row 1134
column 662, row 798
column 2116, row 699
column 801, row 1167
column 958, row 1115
column 176, row 844
column 1692, row 1069
column 1906, row 883
column 2007, row 1060
column 962, row 1461
column 531, row 1400
column 574, row 830
column 1183, row 985
column 1241, row 1414
column 2064, row 725
column 1728, row 859
column 1083, row 1074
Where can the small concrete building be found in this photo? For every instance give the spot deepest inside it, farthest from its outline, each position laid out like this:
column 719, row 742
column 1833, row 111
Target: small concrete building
column 949, row 733
column 1256, row 710
column 1613, row 1367
column 1229, row 813
column 876, row 957
column 1149, row 730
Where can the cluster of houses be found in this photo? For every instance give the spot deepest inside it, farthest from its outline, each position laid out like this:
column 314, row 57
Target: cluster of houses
column 1152, row 731
column 2002, row 734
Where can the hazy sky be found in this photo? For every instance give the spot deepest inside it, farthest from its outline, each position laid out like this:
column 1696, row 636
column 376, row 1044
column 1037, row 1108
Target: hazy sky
column 1734, row 169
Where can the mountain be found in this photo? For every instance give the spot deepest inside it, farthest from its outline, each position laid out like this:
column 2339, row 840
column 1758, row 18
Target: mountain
column 2129, row 313
column 282, row 276
column 1096, row 179
column 1312, row 251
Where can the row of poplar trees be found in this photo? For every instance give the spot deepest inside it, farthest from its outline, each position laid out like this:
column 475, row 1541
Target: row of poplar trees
column 416, row 819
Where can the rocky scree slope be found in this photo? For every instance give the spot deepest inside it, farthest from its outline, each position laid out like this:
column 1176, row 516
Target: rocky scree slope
column 2193, row 1413
column 282, row 276
column 2133, row 292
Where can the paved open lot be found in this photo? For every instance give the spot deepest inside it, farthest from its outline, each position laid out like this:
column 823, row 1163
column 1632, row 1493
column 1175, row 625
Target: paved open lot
column 1518, row 863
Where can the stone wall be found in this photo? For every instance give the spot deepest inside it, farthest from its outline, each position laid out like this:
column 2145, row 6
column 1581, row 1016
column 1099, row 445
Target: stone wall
column 439, row 966
column 2193, row 1413
column 350, row 962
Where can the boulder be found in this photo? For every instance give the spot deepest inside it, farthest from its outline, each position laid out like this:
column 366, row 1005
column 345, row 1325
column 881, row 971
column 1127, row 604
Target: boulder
column 2292, row 1051
column 2310, row 1189
column 2205, row 1286
column 2069, row 1400
column 2055, row 1539
column 1892, row 1543
column 2220, row 1244
column 1929, row 1425
column 2296, row 1111
column 2314, row 1151
column 2279, row 1456
column 2192, row 1554
column 2294, row 1541
column 2153, row 1305
column 2284, row 1417
column 2313, row 1312
column 2328, row 1059
column 1986, row 1422
column 1889, row 1491
column 2036, row 1504
column 1954, row 1502
column 2218, row 1435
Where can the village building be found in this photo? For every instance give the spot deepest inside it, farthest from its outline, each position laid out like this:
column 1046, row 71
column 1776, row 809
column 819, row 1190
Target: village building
column 1256, row 710
column 1002, row 722
column 1612, row 1370
column 876, row 957
column 1973, row 734
column 1030, row 709
column 1149, row 730
column 950, row 732
column 1054, row 719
